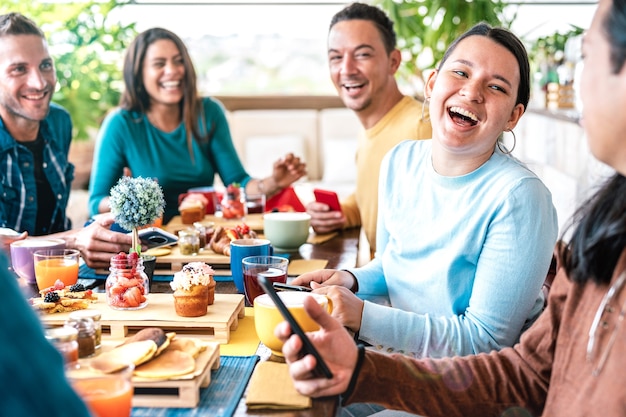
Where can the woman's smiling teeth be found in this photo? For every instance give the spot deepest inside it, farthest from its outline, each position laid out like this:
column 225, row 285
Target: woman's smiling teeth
column 462, row 116
column 170, row 84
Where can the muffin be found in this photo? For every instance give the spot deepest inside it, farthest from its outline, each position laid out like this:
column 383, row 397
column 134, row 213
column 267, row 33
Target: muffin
column 190, row 213
column 193, row 208
column 191, row 289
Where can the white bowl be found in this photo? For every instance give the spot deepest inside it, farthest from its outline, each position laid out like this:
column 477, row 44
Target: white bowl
column 286, row 230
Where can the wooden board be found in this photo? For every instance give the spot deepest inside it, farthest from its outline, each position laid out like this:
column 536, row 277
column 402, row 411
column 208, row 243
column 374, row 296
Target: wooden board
column 254, row 221
column 222, row 317
column 184, row 393
column 174, row 262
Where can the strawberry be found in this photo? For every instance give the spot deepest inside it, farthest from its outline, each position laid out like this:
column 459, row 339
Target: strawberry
column 132, row 297
column 242, row 229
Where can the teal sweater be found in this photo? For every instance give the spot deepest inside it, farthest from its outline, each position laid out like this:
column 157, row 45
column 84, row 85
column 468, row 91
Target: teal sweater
column 128, row 139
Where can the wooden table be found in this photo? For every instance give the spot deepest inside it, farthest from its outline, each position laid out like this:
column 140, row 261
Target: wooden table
column 340, row 252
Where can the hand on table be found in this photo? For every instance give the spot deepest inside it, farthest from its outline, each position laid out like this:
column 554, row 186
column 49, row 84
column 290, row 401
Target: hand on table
column 335, row 346
column 323, row 220
column 97, row 243
column 7, row 240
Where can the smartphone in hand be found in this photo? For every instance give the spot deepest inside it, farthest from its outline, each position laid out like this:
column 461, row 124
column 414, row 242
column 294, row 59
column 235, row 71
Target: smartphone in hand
column 329, row 198
column 154, row 237
column 321, row 369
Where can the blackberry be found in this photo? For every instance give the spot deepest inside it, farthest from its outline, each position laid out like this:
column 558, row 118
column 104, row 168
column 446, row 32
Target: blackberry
column 77, row 288
column 51, row 297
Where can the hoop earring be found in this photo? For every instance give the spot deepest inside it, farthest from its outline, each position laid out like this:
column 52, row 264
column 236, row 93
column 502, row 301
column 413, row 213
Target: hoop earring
column 424, row 105
column 505, row 150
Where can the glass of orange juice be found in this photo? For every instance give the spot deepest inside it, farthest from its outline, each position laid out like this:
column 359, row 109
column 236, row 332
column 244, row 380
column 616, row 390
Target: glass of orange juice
column 53, row 264
column 106, row 394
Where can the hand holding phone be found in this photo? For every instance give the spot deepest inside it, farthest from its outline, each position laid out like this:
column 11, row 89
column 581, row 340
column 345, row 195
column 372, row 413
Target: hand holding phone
column 329, row 198
column 321, row 369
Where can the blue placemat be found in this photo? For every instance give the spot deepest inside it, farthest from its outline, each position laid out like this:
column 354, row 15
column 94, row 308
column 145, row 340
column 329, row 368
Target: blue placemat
column 220, row 398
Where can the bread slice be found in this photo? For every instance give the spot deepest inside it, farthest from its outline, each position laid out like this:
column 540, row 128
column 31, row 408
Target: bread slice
column 63, row 305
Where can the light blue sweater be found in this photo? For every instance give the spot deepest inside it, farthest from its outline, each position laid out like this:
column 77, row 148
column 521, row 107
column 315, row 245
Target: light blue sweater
column 461, row 259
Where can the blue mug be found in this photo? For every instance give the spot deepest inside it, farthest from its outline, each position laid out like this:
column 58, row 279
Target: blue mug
column 242, row 248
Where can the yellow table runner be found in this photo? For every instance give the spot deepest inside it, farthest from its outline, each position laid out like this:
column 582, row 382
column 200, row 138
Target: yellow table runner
column 243, row 341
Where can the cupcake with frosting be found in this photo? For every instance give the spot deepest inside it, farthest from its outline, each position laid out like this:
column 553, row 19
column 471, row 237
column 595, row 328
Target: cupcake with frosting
column 194, row 289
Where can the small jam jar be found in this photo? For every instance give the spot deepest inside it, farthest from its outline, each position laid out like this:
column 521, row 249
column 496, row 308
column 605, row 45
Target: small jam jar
column 127, row 285
column 189, row 241
column 201, row 234
column 95, row 315
column 86, row 335
column 65, row 339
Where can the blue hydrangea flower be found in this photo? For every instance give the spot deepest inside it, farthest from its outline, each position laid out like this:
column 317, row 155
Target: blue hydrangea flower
column 136, row 202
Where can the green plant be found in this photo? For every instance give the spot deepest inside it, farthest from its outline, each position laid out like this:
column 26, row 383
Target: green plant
column 425, row 28
column 87, row 49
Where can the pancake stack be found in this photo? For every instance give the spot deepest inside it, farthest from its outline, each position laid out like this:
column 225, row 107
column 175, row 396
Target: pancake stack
column 155, row 354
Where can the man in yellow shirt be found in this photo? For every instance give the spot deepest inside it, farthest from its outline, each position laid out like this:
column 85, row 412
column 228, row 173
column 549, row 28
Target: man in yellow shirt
column 363, row 60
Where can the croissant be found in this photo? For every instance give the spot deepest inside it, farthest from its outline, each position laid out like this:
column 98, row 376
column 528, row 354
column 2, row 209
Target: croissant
column 220, row 241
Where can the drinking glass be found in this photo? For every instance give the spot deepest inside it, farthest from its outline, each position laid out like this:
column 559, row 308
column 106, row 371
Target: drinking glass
column 106, row 394
column 255, row 203
column 272, row 267
column 53, row 264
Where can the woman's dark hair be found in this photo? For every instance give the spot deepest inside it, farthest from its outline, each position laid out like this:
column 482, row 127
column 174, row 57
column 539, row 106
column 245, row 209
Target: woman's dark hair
column 361, row 11
column 136, row 98
column 511, row 42
column 600, row 235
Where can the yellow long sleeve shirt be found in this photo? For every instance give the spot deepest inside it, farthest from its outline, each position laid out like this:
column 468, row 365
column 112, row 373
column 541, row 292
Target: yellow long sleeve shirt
column 404, row 121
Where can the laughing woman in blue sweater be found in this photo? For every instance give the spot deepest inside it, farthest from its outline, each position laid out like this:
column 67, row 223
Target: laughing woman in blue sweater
column 465, row 232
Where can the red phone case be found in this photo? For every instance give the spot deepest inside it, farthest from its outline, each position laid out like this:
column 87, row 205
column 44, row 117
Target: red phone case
column 327, row 197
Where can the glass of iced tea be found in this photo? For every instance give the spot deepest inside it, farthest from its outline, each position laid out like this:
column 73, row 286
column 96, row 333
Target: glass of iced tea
column 272, row 267
column 106, row 394
column 53, row 264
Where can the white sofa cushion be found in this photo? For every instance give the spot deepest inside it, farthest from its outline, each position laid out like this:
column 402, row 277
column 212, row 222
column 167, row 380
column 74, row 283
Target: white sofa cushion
column 262, row 151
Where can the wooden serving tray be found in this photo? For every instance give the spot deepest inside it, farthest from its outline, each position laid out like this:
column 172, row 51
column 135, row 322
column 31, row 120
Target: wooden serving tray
column 222, row 317
column 174, row 262
column 184, row 393
column 254, row 221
